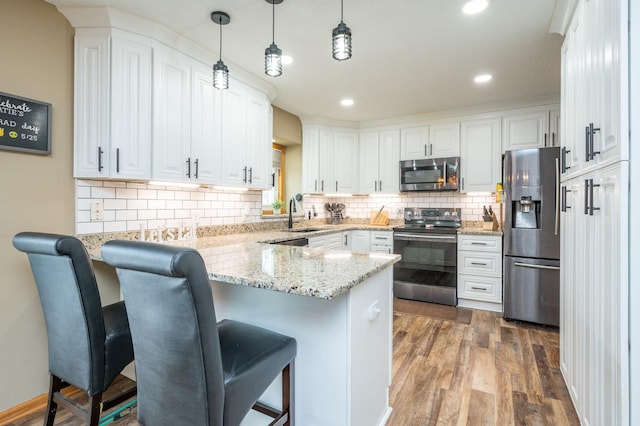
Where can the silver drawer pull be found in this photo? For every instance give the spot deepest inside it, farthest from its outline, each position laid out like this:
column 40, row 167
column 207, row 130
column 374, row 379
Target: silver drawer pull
column 478, row 263
column 475, row 243
column 479, row 288
column 530, row 265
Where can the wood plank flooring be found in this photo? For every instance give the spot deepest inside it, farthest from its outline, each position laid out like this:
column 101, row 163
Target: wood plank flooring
column 446, row 372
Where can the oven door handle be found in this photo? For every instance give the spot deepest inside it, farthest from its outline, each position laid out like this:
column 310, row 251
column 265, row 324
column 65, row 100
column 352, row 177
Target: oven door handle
column 429, row 238
column 534, row 266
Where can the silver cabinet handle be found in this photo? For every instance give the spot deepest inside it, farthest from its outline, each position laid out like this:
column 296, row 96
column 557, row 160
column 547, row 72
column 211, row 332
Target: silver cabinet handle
column 587, row 155
column 563, row 201
column 532, row 266
column 430, row 150
column 591, row 186
column 433, row 238
column 478, row 264
column 100, row 152
column 195, row 163
column 563, row 162
column 476, row 243
column 244, row 171
column 315, row 184
column 188, row 167
column 380, row 186
column 592, row 130
column 375, row 186
column 425, row 149
column 250, row 175
column 479, row 288
column 545, row 139
column 117, row 160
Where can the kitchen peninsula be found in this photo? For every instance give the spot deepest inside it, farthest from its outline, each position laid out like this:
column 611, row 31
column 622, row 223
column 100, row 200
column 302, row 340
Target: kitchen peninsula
column 336, row 304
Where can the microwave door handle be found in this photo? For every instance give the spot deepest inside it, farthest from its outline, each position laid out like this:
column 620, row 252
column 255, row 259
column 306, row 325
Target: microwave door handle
column 445, row 172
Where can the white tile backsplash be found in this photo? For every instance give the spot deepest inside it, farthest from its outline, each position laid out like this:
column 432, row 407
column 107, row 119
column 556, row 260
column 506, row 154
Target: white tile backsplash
column 129, row 205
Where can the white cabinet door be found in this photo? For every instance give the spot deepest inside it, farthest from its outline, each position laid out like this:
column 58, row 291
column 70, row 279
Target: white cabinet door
column 258, row 144
column 112, row 105
column 554, row 127
column 368, row 161
column 360, row 241
column 346, row 240
column 91, row 106
column 379, row 155
column 130, row 148
column 233, row 167
column 414, row 143
column 171, row 115
column 326, row 164
column 480, row 155
column 525, row 130
column 444, row 139
column 389, row 159
column 311, row 160
column 346, row 161
column 205, row 128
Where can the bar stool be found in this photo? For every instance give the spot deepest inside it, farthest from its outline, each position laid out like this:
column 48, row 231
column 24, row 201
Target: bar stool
column 89, row 345
column 190, row 369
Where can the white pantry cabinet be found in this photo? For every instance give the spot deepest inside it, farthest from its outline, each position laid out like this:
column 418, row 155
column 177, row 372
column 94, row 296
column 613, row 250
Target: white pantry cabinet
column 480, row 272
column 436, row 140
column 378, row 161
column 480, row 155
column 594, row 351
column 530, row 128
column 246, row 137
column 112, row 105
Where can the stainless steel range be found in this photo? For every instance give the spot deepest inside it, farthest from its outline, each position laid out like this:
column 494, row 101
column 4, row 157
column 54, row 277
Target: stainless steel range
column 428, row 244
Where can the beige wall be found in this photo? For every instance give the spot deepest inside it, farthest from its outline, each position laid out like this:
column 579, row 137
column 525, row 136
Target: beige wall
column 287, row 131
column 36, row 192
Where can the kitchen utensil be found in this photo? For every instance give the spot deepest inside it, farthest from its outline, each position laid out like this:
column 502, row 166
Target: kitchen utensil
column 375, row 219
column 490, row 211
column 327, row 207
column 485, row 212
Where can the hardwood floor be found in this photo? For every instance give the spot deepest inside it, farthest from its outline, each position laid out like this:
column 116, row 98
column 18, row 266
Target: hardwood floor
column 489, row 372
column 447, row 372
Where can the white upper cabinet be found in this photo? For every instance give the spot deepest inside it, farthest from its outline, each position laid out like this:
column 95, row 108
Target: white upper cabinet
column 528, row 129
column 310, row 160
column 246, row 142
column 444, row 139
column 480, row 156
column 112, row 105
column 378, row 161
column 415, row 143
column 437, row 140
column 329, row 159
column 174, row 100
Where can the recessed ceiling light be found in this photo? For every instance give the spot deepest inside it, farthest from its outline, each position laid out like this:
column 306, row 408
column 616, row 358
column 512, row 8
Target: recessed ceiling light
column 346, row 102
column 475, row 6
column 286, row 59
column 483, row 78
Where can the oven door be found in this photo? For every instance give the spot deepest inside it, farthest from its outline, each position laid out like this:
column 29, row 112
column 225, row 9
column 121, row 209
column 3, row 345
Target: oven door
column 440, row 174
column 427, row 270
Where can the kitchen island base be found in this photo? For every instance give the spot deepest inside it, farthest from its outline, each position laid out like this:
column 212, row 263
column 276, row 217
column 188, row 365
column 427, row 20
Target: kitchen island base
column 343, row 366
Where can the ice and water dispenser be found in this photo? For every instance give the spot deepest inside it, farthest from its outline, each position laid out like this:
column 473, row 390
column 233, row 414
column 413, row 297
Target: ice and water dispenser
column 526, row 211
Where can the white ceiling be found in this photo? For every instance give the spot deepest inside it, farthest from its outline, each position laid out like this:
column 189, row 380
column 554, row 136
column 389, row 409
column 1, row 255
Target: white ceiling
column 409, row 56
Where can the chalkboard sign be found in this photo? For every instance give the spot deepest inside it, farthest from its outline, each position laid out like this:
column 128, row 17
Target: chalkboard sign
column 25, row 124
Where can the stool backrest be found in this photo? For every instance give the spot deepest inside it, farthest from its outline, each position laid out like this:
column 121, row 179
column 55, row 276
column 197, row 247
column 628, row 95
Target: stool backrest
column 175, row 336
column 71, row 305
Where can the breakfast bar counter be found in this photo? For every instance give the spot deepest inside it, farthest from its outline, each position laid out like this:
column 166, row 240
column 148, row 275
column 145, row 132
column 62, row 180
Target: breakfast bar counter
column 336, row 304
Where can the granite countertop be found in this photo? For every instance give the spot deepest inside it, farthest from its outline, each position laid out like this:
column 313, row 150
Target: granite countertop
column 249, row 259
column 476, row 228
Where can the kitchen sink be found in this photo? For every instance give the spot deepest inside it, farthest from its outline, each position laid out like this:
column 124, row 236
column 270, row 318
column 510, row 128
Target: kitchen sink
column 304, row 230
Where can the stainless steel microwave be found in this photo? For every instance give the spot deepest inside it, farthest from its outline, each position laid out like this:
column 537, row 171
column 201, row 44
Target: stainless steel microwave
column 436, row 174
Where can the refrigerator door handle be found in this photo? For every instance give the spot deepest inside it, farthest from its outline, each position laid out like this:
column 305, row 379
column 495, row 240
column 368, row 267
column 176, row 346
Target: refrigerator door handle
column 557, row 187
column 533, row 266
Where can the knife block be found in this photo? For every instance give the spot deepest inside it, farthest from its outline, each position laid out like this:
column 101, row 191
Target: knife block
column 379, row 218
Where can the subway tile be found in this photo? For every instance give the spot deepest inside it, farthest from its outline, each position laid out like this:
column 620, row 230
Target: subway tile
column 90, row 183
column 89, row 228
column 83, row 191
column 115, row 204
column 166, row 214
column 83, row 216
column 182, row 195
column 135, row 225
column 83, row 204
column 196, row 196
column 147, row 194
column 114, row 184
column 157, row 204
column 175, row 204
column 115, row 226
column 110, row 215
column 126, row 215
column 100, row 192
column 136, row 185
column 166, row 195
column 126, row 193
column 137, row 204
column 147, row 214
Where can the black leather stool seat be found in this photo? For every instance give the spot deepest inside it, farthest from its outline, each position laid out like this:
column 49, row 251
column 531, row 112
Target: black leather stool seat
column 190, row 369
column 88, row 344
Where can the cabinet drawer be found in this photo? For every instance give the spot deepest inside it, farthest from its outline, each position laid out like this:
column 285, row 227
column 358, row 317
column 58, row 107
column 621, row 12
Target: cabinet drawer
column 480, row 243
column 483, row 263
column 480, row 288
column 382, row 237
column 381, row 248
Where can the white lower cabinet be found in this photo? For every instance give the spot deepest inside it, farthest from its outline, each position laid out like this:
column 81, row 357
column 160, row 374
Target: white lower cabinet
column 480, row 272
column 381, row 242
column 360, row 241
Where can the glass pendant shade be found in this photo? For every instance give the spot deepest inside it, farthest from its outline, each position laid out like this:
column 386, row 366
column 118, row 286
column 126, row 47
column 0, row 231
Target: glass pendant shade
column 273, row 60
column 220, row 76
column 341, row 42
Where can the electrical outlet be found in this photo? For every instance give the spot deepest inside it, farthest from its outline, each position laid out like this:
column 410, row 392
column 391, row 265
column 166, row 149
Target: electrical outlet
column 97, row 211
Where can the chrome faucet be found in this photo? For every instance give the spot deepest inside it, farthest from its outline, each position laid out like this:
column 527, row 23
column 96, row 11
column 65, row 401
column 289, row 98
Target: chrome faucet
column 292, row 208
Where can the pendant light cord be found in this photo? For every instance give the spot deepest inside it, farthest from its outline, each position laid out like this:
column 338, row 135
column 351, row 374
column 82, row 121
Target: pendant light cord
column 341, row 10
column 220, row 41
column 273, row 22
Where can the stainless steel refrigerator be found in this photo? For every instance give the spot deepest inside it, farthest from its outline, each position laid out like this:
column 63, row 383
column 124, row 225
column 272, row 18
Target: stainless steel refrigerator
column 532, row 235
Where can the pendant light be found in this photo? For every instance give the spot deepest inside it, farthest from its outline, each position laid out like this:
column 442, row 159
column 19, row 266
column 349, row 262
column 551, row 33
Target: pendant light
column 220, row 70
column 272, row 54
column 341, row 39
